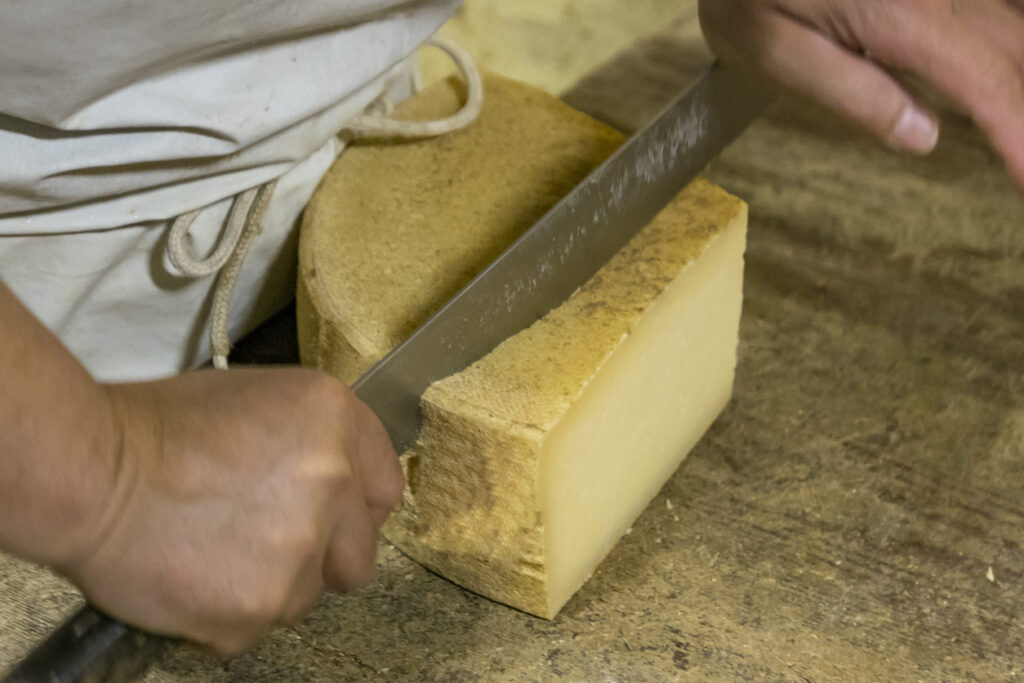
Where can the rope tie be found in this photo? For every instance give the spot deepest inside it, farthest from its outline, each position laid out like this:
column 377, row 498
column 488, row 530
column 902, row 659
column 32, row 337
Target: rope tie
column 375, row 125
column 245, row 219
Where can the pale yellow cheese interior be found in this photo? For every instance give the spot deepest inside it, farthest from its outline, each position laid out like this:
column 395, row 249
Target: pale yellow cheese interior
column 636, row 420
column 534, row 461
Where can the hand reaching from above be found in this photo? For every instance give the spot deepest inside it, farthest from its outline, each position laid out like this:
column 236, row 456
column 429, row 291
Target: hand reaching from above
column 843, row 52
column 238, row 497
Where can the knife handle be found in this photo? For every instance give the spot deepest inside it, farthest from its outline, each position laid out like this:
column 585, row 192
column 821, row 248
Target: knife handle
column 90, row 647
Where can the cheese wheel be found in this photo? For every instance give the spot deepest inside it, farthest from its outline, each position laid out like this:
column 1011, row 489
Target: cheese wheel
column 396, row 229
column 534, row 461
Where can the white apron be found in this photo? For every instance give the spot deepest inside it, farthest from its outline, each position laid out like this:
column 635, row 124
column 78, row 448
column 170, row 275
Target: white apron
column 117, row 116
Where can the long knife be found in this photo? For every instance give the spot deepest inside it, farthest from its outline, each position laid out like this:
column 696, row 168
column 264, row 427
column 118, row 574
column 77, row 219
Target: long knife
column 533, row 276
column 565, row 247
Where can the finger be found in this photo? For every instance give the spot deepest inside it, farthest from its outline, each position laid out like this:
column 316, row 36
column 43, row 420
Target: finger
column 1018, row 4
column 305, row 591
column 856, row 88
column 973, row 73
column 379, row 467
column 350, row 561
column 926, row 38
column 999, row 23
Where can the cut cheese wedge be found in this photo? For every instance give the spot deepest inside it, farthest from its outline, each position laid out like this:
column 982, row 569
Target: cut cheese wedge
column 535, row 460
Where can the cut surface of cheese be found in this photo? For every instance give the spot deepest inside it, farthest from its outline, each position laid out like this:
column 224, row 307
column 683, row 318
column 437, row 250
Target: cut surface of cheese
column 534, row 461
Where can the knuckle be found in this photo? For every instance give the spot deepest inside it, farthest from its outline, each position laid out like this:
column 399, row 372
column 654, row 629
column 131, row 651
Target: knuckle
column 327, row 391
column 316, row 392
column 306, row 542
column 341, row 479
column 250, row 606
column 294, row 540
column 323, row 465
column 261, row 605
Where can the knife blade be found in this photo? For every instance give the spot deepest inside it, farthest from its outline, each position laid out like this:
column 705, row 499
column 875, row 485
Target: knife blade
column 533, row 276
column 565, row 247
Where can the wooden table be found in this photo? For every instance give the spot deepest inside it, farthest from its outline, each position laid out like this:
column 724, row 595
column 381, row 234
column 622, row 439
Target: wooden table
column 857, row 513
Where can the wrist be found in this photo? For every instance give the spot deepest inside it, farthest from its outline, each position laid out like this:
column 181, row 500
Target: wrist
column 107, row 483
column 60, row 452
column 70, row 489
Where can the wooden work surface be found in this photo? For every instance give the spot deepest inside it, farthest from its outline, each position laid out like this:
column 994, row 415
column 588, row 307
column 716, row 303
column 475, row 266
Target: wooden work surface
column 855, row 514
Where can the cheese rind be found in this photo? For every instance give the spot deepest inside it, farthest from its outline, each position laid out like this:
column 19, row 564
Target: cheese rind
column 396, row 229
column 532, row 462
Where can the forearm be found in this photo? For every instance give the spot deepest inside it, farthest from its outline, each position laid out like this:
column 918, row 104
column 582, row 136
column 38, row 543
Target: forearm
column 58, row 446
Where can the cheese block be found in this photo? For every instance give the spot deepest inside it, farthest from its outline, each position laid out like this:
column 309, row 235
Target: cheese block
column 535, row 460
column 396, row 229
